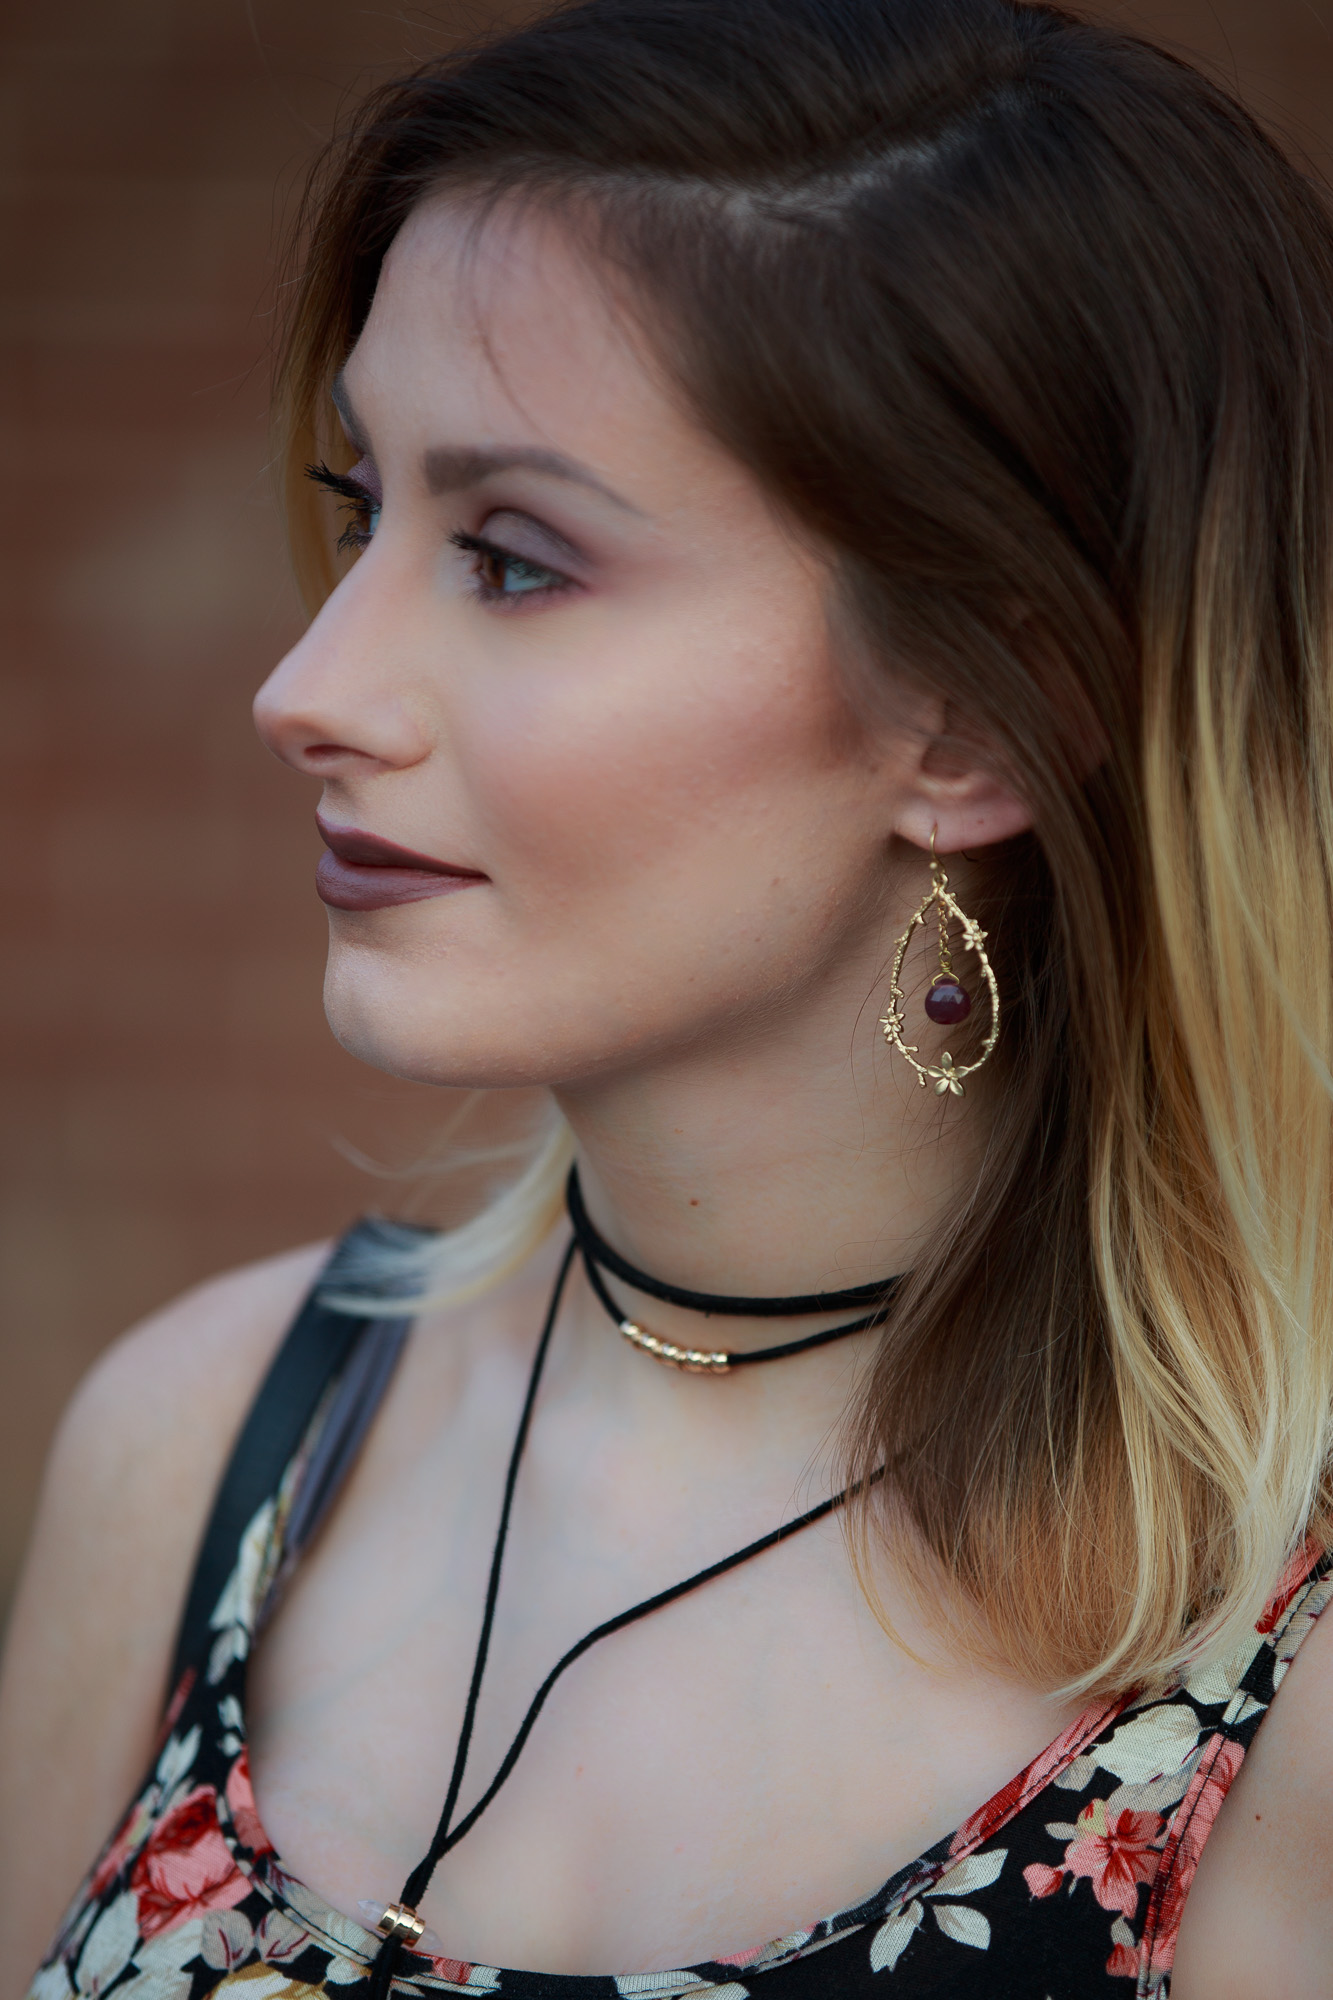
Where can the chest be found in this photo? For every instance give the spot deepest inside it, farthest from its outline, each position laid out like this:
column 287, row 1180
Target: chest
column 737, row 1765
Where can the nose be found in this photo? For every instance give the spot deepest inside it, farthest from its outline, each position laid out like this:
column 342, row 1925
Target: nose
column 344, row 699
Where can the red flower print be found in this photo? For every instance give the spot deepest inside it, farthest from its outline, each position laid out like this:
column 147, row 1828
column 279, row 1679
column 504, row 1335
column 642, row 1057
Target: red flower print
column 127, row 1837
column 1041, row 1880
column 987, row 1820
column 1194, row 1822
column 244, row 1813
column 186, row 1869
column 1115, row 1854
column 1123, row 1963
column 456, row 1970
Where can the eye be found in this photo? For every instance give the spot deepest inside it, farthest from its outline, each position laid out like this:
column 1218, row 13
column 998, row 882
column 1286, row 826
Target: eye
column 500, row 574
column 358, row 500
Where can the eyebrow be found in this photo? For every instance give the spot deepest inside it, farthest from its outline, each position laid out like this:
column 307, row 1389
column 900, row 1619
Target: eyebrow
column 453, row 468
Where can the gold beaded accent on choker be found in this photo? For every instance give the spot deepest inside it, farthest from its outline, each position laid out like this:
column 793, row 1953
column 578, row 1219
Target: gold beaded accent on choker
column 695, row 1360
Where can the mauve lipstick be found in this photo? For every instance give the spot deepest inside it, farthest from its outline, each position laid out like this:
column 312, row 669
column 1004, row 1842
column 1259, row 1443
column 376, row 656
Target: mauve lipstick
column 362, row 872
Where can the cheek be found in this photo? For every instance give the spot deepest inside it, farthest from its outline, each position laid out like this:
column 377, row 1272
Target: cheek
column 712, row 747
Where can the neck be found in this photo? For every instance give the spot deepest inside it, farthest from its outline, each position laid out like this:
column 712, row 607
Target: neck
column 782, row 1173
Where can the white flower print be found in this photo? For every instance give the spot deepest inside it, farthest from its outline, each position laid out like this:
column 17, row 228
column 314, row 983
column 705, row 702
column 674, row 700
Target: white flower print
column 237, row 1602
column 955, row 1919
column 178, row 1759
column 963, row 1925
column 671, row 1983
column 1215, row 1683
column 892, row 1938
column 233, row 1723
column 164, row 1954
column 257, row 1984
column 234, row 1614
column 280, row 1940
column 226, row 1938
column 1151, row 1745
column 342, row 1972
column 111, row 1945
column 977, row 1871
column 161, row 1983
column 52, row 1983
column 233, row 1644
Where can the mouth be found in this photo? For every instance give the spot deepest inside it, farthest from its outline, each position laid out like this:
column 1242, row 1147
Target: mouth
column 360, row 871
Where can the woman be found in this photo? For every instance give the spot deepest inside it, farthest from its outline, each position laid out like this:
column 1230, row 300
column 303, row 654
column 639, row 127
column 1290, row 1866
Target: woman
column 833, row 680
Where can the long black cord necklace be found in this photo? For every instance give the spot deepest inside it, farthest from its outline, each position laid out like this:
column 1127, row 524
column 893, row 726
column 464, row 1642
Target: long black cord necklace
column 400, row 1924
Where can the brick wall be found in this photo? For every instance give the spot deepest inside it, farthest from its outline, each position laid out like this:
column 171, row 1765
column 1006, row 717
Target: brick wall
column 171, row 1097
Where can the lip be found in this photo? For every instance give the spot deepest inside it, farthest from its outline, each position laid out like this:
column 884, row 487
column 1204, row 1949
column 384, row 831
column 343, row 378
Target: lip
column 360, row 871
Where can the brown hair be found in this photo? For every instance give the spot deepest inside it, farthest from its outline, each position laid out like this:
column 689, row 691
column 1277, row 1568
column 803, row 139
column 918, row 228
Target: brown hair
column 1031, row 326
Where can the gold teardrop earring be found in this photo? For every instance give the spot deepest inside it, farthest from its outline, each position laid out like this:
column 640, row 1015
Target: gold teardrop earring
column 948, row 1000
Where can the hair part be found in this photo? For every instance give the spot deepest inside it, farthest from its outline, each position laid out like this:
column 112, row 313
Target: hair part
column 1030, row 326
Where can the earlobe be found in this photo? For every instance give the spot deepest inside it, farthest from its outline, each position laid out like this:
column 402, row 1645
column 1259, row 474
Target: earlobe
column 960, row 800
column 982, row 819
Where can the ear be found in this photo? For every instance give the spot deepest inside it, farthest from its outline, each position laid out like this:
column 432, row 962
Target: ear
column 950, row 791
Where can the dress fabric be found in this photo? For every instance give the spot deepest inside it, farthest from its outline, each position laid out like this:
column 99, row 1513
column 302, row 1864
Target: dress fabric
column 1068, row 1884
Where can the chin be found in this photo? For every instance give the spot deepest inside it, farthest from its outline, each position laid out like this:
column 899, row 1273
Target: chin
column 420, row 1024
column 380, row 1016
column 440, row 1052
column 482, row 1028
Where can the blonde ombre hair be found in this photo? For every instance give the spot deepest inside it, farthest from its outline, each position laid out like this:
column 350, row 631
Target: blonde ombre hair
column 1031, row 326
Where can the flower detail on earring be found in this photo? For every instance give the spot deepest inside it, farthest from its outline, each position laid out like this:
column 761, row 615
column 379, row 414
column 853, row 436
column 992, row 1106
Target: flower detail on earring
column 948, row 1000
column 948, row 1077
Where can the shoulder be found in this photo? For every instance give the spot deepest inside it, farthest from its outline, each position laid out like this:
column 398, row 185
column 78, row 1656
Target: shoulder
column 128, row 1486
column 1259, row 1918
column 197, row 1359
column 140, row 1449
column 145, row 1436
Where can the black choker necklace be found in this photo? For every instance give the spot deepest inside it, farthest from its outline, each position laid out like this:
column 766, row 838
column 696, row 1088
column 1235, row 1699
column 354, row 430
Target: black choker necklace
column 598, row 1254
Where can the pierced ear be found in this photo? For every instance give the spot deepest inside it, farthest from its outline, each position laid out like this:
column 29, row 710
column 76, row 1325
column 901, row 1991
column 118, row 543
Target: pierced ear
column 958, row 797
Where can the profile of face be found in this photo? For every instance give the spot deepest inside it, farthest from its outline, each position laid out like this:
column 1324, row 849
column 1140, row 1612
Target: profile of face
column 584, row 668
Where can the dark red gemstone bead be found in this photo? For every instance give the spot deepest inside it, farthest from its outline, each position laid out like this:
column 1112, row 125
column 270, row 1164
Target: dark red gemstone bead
column 947, row 1001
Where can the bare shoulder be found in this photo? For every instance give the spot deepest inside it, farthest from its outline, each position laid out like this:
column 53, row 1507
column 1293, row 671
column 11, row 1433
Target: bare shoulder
column 141, row 1446
column 180, row 1381
column 1259, row 1918
column 128, row 1485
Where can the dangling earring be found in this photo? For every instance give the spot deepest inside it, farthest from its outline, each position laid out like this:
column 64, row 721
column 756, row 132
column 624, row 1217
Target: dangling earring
column 948, row 1000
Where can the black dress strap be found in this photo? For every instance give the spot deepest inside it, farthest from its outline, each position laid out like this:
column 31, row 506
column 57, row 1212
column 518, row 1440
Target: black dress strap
column 324, row 1347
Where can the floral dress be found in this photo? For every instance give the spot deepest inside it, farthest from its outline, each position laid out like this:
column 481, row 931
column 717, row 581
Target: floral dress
column 1068, row 1884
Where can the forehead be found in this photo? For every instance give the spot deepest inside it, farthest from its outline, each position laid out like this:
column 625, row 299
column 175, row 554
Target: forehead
column 507, row 314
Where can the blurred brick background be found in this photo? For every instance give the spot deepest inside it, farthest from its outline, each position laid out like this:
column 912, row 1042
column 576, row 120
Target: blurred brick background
column 171, row 1097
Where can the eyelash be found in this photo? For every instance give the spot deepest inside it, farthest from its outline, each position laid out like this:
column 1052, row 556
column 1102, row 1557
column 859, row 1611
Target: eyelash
column 363, row 507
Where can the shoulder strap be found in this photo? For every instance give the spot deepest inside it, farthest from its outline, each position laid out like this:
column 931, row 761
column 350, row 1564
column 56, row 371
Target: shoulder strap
column 323, row 1346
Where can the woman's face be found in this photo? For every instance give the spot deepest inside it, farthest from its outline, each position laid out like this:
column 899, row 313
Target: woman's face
column 582, row 667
